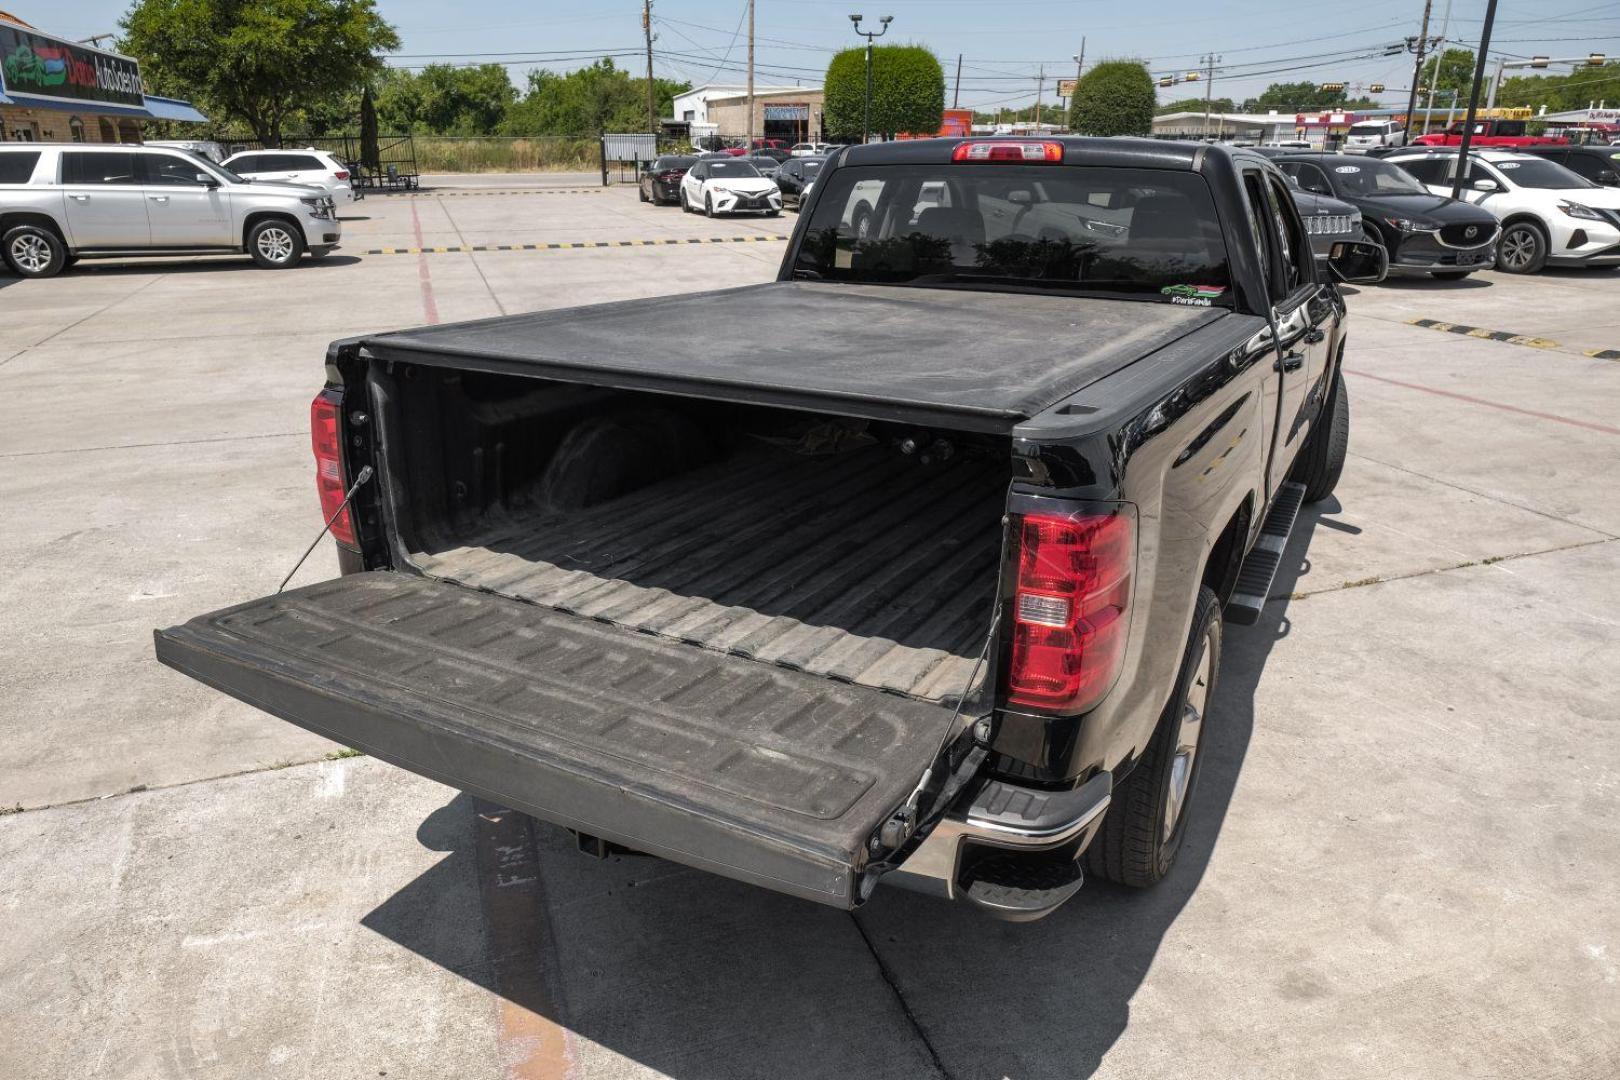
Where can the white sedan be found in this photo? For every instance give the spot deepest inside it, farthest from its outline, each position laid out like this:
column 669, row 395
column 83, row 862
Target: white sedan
column 1550, row 216
column 728, row 185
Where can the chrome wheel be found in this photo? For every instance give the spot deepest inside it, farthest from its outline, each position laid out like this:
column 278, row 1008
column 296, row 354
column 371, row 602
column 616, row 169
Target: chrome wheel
column 1517, row 250
column 31, row 253
column 1189, row 728
column 275, row 244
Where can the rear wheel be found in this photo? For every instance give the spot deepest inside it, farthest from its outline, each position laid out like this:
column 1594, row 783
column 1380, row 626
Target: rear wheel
column 1522, row 249
column 1321, row 460
column 34, row 251
column 1147, row 819
column 275, row 244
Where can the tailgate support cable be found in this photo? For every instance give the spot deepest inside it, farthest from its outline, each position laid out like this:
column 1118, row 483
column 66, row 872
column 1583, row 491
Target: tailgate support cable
column 365, row 474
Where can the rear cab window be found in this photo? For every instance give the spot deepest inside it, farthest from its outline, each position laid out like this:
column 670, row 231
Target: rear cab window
column 1086, row 230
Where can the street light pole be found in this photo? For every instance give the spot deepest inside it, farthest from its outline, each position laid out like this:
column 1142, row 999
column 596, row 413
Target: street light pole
column 866, row 112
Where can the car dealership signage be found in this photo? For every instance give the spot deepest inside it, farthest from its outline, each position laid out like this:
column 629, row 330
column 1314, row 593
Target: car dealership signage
column 42, row 66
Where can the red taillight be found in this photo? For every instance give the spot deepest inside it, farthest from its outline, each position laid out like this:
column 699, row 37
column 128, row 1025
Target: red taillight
column 325, row 434
column 342, row 174
column 1069, row 608
column 1028, row 151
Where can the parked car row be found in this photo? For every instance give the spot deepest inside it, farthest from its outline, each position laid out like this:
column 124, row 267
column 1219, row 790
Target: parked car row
column 716, row 183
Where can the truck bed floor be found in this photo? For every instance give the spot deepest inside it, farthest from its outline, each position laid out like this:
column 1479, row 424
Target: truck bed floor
column 869, row 568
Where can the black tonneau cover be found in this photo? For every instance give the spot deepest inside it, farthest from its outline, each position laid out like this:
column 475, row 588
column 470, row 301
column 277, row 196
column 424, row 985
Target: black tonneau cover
column 964, row 359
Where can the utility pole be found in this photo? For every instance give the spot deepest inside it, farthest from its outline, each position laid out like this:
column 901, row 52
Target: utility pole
column 866, row 112
column 1079, row 69
column 1209, row 85
column 749, row 145
column 1417, row 70
column 1040, row 90
column 1440, row 44
column 1473, row 100
column 956, row 94
column 652, row 107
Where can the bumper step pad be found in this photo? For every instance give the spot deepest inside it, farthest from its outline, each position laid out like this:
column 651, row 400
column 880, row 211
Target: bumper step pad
column 1260, row 568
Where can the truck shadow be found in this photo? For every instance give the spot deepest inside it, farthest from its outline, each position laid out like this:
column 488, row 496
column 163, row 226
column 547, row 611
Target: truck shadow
column 695, row 976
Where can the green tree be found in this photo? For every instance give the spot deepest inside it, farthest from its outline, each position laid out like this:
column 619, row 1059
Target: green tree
column 260, row 63
column 908, row 92
column 1196, row 104
column 587, row 101
column 1557, row 92
column 443, row 99
column 1451, row 70
column 1114, row 98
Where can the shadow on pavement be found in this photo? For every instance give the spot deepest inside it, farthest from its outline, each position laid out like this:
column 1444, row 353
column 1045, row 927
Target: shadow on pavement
column 695, row 976
column 1429, row 283
column 200, row 264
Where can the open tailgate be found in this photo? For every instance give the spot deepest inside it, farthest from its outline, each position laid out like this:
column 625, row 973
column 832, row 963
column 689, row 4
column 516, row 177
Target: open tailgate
column 762, row 774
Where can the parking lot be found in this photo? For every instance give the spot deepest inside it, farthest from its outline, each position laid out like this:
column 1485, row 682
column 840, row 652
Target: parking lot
column 1408, row 839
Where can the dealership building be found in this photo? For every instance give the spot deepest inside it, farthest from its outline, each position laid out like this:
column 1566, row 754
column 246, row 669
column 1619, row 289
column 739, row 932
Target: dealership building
column 56, row 90
column 792, row 113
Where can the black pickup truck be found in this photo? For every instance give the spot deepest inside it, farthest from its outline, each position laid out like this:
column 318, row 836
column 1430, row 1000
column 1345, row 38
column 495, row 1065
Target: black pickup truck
column 937, row 601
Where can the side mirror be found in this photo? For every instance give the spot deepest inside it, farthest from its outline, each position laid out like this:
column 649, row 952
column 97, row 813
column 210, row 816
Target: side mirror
column 1484, row 183
column 208, row 180
column 1608, row 176
column 1357, row 262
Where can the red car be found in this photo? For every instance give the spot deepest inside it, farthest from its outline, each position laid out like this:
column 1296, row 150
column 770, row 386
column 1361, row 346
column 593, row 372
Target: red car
column 1500, row 133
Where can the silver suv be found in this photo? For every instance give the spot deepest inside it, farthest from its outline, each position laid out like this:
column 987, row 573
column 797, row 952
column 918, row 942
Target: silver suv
column 60, row 202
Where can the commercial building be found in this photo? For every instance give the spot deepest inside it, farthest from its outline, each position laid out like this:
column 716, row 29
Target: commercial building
column 780, row 112
column 1255, row 127
column 55, row 90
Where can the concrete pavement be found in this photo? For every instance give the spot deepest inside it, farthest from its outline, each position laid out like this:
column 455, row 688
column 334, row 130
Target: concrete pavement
column 1406, row 831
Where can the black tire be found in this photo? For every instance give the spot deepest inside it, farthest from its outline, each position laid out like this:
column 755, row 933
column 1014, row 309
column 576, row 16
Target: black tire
column 34, row 251
column 643, row 193
column 1451, row 275
column 275, row 243
column 686, row 207
column 1521, row 249
column 1321, row 459
column 860, row 221
column 708, row 206
column 1133, row 847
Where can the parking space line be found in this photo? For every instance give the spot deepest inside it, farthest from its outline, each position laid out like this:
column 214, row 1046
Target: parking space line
column 1587, row 424
column 454, row 249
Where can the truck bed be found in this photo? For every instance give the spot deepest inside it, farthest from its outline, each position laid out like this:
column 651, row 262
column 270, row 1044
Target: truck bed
column 922, row 355
column 879, row 572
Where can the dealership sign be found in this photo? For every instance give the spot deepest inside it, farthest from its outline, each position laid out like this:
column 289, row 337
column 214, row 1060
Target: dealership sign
column 45, row 67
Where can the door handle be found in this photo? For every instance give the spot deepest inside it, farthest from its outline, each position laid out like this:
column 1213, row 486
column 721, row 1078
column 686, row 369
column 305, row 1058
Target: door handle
column 79, row 198
column 1314, row 336
column 158, row 198
column 1291, row 362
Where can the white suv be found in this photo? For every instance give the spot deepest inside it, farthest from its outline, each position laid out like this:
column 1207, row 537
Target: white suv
column 60, row 202
column 1549, row 215
column 306, row 166
column 1368, row 135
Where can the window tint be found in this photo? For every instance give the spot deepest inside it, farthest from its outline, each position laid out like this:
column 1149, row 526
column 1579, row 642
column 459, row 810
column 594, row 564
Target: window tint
column 82, row 168
column 1427, row 170
column 245, row 164
column 16, row 168
column 1587, row 165
column 1076, row 229
column 1293, row 246
column 1309, row 176
column 305, row 163
column 1259, row 215
column 810, row 167
column 168, row 169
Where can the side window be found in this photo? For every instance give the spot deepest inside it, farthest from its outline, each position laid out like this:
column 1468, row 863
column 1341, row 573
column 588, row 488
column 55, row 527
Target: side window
column 168, row 169
column 1311, row 178
column 245, row 164
column 109, row 169
column 1583, row 164
column 1293, row 247
column 1260, row 230
column 1426, row 170
column 305, row 163
column 16, row 168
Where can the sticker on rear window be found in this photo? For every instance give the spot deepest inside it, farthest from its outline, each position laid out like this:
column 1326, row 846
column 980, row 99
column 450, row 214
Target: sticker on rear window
column 1507, row 164
column 1347, row 168
column 1194, row 295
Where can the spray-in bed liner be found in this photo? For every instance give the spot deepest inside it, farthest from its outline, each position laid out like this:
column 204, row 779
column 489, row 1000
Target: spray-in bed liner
column 870, row 568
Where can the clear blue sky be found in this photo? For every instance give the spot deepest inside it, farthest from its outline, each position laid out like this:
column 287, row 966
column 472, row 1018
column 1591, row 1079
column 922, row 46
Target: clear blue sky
column 1004, row 42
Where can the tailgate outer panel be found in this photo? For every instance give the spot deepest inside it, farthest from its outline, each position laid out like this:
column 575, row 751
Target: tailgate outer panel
column 769, row 776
